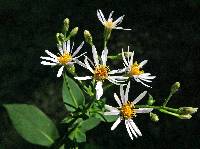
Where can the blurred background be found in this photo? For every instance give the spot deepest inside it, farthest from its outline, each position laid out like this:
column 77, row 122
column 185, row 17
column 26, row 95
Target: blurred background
column 167, row 33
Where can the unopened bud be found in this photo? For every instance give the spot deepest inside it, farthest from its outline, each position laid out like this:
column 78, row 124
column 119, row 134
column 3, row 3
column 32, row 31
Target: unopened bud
column 60, row 38
column 154, row 117
column 187, row 110
column 88, row 37
column 74, row 32
column 150, row 101
column 175, row 87
column 185, row 116
column 66, row 25
column 71, row 69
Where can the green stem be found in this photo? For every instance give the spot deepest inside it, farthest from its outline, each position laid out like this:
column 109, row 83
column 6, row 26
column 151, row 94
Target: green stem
column 173, row 110
column 167, row 100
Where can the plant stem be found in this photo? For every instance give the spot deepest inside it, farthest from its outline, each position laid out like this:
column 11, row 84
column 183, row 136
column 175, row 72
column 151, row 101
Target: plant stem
column 167, row 100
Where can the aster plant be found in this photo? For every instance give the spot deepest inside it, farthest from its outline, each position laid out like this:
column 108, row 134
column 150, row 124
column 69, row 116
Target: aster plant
column 83, row 95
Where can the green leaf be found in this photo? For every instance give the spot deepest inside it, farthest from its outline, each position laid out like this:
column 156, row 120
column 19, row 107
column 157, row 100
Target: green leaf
column 32, row 124
column 89, row 124
column 77, row 135
column 105, row 118
column 72, row 95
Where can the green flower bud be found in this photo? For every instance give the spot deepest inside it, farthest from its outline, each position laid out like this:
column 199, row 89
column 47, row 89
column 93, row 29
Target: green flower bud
column 154, row 117
column 187, row 110
column 175, row 87
column 71, row 69
column 66, row 25
column 88, row 37
column 74, row 32
column 150, row 101
column 60, row 38
column 185, row 116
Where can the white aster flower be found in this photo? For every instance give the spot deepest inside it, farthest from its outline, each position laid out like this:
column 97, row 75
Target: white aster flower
column 134, row 69
column 101, row 72
column 65, row 56
column 109, row 23
column 126, row 111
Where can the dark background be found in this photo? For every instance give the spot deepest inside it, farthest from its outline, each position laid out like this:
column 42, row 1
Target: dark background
column 167, row 33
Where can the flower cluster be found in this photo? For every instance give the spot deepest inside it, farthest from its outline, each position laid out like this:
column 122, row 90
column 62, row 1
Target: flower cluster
column 101, row 74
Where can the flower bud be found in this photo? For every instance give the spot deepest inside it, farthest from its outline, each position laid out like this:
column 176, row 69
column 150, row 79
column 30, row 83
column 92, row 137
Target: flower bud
column 74, row 32
column 187, row 110
column 154, row 117
column 175, row 87
column 60, row 38
column 71, row 69
column 88, row 37
column 185, row 116
column 150, row 101
column 66, row 25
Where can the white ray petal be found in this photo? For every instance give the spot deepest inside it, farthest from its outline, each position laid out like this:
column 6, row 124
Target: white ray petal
column 126, row 93
column 142, row 63
column 60, row 71
column 119, row 78
column 110, row 16
column 113, row 81
column 138, row 80
column 68, row 46
column 99, row 17
column 122, row 94
column 119, row 20
column 99, row 90
column 49, row 59
column 95, row 55
column 128, row 129
column 143, row 110
column 110, row 108
column 48, row 63
column 116, row 123
column 50, row 54
column 112, row 113
column 104, row 56
column 139, row 97
column 83, row 78
column 80, row 55
column 60, row 49
column 124, row 58
column 64, row 47
column 88, row 65
column 80, row 63
column 78, row 49
column 131, row 60
column 117, row 71
column 135, row 127
column 102, row 16
column 131, row 128
column 145, row 80
column 117, row 100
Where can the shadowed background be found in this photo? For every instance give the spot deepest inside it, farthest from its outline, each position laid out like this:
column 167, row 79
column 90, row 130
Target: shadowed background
column 167, row 33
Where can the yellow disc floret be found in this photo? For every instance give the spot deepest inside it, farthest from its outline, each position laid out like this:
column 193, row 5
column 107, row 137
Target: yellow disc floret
column 135, row 69
column 65, row 58
column 109, row 24
column 101, row 72
column 127, row 111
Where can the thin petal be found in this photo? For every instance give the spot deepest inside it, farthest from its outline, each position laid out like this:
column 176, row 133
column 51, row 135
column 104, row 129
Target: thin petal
column 80, row 63
column 78, row 49
column 60, row 71
column 116, row 123
column 113, row 81
column 48, row 63
column 122, row 94
column 110, row 108
column 128, row 129
column 131, row 60
column 99, row 90
column 60, row 49
column 102, row 16
column 49, row 59
column 138, row 80
column 112, row 113
column 68, row 46
column 131, row 128
column 142, row 63
column 117, row 100
column 135, row 128
column 79, row 55
column 124, row 58
column 64, row 47
column 119, row 20
column 88, row 65
column 143, row 110
column 99, row 16
column 139, row 97
column 50, row 54
column 104, row 56
column 126, row 93
column 110, row 16
column 117, row 71
column 83, row 78
column 95, row 55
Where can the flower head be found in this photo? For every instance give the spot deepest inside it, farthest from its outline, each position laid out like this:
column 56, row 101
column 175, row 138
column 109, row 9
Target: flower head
column 134, row 70
column 109, row 23
column 126, row 111
column 64, row 58
column 101, row 71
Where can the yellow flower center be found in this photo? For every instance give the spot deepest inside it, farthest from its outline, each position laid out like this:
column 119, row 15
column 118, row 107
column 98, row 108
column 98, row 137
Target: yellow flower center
column 127, row 111
column 65, row 58
column 109, row 24
column 101, row 72
column 135, row 69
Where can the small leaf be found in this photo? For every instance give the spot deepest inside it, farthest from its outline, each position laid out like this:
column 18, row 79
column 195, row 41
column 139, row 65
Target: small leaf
column 89, row 124
column 72, row 95
column 32, row 124
column 106, row 118
column 77, row 135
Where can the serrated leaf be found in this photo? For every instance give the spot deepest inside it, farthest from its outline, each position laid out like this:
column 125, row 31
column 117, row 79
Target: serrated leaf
column 32, row 124
column 72, row 95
